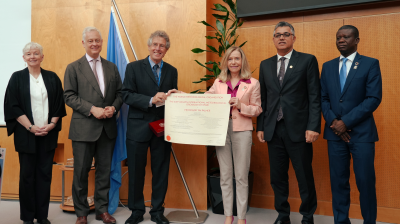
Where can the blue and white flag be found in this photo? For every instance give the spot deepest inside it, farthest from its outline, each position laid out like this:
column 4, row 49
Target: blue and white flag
column 116, row 54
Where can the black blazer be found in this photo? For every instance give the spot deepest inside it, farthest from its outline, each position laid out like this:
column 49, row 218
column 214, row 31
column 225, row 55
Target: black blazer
column 300, row 96
column 138, row 88
column 17, row 102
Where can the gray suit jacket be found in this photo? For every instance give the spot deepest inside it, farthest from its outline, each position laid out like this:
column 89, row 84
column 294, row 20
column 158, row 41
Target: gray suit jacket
column 81, row 92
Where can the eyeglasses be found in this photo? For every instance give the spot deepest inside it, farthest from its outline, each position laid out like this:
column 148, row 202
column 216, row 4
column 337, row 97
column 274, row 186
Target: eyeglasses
column 285, row 35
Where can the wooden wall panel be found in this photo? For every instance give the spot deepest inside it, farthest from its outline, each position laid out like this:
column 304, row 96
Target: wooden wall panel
column 57, row 25
column 316, row 31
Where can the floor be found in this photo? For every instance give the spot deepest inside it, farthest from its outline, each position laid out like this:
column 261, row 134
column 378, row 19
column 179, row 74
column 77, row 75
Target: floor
column 9, row 213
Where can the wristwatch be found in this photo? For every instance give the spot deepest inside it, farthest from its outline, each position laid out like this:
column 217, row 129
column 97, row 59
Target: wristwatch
column 30, row 127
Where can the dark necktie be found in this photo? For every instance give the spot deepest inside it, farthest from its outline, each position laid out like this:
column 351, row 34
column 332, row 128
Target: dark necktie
column 155, row 67
column 281, row 75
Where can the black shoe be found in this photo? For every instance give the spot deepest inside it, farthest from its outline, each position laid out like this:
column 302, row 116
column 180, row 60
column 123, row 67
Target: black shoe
column 282, row 221
column 27, row 222
column 44, row 221
column 159, row 219
column 134, row 219
column 306, row 222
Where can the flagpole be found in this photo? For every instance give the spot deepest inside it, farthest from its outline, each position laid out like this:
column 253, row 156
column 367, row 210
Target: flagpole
column 123, row 26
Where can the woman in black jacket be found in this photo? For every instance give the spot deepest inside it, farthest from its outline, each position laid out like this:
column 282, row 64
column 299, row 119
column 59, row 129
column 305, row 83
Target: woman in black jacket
column 33, row 108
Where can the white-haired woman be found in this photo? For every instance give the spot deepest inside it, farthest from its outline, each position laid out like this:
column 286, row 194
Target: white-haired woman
column 33, row 108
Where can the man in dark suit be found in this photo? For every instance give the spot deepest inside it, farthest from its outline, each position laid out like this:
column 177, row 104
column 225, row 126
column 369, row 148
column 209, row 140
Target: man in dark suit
column 351, row 90
column 93, row 90
column 145, row 86
column 291, row 120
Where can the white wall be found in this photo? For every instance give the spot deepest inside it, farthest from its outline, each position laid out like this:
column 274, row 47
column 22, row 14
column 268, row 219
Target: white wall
column 15, row 28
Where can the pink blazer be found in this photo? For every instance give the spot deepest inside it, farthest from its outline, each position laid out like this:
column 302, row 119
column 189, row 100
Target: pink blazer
column 250, row 99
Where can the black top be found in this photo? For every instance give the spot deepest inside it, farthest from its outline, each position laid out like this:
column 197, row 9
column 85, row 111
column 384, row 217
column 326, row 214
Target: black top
column 17, row 102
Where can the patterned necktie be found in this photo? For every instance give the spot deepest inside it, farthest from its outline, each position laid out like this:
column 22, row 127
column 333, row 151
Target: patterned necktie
column 95, row 73
column 343, row 74
column 155, row 67
column 281, row 75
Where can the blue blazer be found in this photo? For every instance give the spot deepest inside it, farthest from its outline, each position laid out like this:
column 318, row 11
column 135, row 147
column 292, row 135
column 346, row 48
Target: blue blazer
column 361, row 96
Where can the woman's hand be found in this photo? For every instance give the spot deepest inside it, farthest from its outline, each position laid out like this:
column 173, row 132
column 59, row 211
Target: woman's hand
column 42, row 131
column 235, row 102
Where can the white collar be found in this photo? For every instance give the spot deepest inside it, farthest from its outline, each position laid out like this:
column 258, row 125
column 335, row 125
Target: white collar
column 287, row 56
column 90, row 58
column 350, row 57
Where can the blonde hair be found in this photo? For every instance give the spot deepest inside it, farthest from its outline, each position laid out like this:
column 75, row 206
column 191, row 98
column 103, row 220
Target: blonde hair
column 245, row 72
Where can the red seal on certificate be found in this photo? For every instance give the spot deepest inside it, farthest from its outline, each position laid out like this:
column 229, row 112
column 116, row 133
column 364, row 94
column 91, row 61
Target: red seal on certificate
column 168, row 138
column 157, row 127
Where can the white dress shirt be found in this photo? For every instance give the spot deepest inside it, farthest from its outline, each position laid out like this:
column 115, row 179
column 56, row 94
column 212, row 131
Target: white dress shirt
column 286, row 61
column 99, row 70
column 39, row 101
column 349, row 62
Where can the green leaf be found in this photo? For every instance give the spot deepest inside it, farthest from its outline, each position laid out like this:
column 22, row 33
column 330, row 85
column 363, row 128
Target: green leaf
column 210, row 62
column 219, row 7
column 195, row 91
column 205, row 79
column 209, row 76
column 210, row 37
column 226, row 19
column 198, row 50
column 232, row 5
column 218, row 16
column 233, row 25
column 216, row 69
column 233, row 32
column 212, row 48
column 220, row 28
column 243, row 44
column 205, row 23
column 220, row 51
column 209, row 69
column 197, row 81
column 241, row 23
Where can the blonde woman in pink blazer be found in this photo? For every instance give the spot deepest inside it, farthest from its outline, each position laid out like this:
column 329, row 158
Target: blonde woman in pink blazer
column 235, row 79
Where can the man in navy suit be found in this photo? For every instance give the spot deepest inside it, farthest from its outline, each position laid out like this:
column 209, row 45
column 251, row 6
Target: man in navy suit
column 351, row 90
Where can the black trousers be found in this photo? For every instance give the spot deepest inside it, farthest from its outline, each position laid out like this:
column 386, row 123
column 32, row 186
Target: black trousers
column 102, row 151
column 280, row 150
column 34, row 182
column 160, row 151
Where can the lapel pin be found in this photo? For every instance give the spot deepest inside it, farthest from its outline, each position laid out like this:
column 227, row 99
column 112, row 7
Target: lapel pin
column 355, row 67
column 291, row 66
column 356, row 62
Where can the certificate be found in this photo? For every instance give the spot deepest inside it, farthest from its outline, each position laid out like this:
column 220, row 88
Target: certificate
column 197, row 119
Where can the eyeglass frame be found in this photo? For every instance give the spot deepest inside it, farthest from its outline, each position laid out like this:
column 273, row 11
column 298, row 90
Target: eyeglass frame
column 285, row 35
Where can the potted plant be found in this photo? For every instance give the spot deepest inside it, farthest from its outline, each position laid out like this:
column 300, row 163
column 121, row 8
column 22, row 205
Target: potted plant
column 226, row 37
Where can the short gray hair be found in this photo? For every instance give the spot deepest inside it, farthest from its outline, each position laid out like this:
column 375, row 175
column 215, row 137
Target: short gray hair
column 88, row 29
column 31, row 45
column 282, row 24
column 159, row 33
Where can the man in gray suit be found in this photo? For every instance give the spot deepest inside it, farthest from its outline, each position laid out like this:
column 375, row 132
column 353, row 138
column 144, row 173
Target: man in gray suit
column 92, row 88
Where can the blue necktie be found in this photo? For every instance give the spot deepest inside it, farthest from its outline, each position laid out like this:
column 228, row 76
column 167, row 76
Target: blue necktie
column 343, row 74
column 155, row 67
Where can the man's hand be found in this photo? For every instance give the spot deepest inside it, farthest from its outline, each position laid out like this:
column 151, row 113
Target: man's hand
column 98, row 112
column 345, row 137
column 160, row 97
column 260, row 136
column 338, row 127
column 235, row 102
column 311, row 136
column 172, row 91
column 109, row 111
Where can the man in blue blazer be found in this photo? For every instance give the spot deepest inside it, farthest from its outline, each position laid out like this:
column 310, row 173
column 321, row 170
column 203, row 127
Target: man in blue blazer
column 351, row 90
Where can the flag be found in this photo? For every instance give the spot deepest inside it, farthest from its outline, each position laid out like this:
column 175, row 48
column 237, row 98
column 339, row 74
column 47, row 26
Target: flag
column 116, row 54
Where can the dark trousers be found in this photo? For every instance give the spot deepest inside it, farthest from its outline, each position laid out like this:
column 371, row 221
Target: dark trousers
column 34, row 182
column 102, row 151
column 363, row 154
column 160, row 151
column 280, row 150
